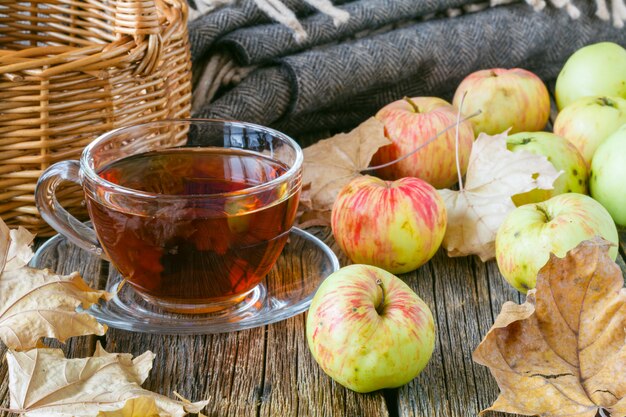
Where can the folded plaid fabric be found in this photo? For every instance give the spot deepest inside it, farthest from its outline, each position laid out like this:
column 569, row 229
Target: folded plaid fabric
column 249, row 68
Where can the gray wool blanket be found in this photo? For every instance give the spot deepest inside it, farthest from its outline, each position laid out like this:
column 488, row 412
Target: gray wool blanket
column 341, row 74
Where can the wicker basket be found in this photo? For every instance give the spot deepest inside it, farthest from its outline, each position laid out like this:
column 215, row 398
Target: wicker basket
column 73, row 69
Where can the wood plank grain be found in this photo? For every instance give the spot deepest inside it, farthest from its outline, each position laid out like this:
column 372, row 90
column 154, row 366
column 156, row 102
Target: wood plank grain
column 294, row 385
column 460, row 293
column 225, row 369
column 64, row 259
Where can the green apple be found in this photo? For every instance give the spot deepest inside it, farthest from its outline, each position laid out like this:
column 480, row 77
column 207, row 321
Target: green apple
column 594, row 70
column 589, row 120
column 562, row 154
column 368, row 330
column 530, row 233
column 608, row 172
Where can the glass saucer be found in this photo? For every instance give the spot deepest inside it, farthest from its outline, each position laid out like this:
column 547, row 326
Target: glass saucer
column 285, row 292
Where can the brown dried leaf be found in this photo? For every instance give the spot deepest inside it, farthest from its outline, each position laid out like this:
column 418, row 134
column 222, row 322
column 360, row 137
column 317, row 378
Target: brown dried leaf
column 494, row 174
column 43, row 383
column 563, row 352
column 37, row 303
column 332, row 163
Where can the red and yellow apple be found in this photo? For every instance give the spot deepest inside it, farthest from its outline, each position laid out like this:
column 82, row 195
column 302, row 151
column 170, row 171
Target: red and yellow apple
column 368, row 330
column 589, row 120
column 507, row 98
column 410, row 123
column 562, row 154
column 530, row 233
column 397, row 226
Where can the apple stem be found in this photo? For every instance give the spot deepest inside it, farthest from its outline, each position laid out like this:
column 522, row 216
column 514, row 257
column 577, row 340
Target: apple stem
column 542, row 210
column 381, row 305
column 456, row 142
column 415, row 107
column 428, row 142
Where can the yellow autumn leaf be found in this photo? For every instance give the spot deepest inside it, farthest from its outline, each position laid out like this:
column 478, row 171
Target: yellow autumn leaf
column 43, row 383
column 135, row 407
column 563, row 353
column 37, row 303
column 494, row 174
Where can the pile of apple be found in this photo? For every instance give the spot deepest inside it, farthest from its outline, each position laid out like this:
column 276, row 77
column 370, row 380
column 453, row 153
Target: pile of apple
column 366, row 328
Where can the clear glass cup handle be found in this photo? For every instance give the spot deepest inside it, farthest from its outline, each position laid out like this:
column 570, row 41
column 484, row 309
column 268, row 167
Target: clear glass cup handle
column 55, row 215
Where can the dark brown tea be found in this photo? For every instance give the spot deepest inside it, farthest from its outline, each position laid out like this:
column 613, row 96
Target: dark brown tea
column 205, row 247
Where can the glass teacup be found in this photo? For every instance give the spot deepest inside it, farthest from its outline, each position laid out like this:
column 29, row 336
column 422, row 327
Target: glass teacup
column 192, row 213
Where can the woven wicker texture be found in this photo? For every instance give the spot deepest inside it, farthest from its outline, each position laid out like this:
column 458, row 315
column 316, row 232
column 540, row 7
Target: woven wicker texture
column 73, row 69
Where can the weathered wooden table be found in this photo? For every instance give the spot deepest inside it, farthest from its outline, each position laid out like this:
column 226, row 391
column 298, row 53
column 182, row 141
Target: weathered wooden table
column 269, row 371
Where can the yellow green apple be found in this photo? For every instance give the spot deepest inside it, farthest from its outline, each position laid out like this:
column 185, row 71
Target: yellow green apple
column 397, row 226
column 507, row 98
column 562, row 154
column 587, row 121
column 409, row 124
column 594, row 70
column 608, row 176
column 368, row 330
column 531, row 232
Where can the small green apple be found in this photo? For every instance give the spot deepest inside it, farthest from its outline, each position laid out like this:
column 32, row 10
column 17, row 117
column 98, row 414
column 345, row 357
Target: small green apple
column 368, row 330
column 587, row 121
column 594, row 70
column 530, row 233
column 608, row 172
column 562, row 154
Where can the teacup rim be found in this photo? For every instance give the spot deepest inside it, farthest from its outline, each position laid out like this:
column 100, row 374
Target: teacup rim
column 87, row 169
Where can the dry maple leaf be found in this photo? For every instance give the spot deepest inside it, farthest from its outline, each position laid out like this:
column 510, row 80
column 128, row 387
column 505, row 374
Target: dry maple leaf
column 563, row 352
column 37, row 303
column 332, row 163
column 494, row 174
column 43, row 383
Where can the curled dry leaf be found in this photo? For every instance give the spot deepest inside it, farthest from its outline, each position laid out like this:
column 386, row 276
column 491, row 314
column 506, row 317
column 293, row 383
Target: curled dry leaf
column 20, row 252
column 562, row 352
column 332, row 163
column 15, row 251
column 494, row 174
column 37, row 303
column 43, row 383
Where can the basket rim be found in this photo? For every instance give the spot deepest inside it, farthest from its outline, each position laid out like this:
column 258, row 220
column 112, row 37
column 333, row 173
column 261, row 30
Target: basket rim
column 88, row 171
